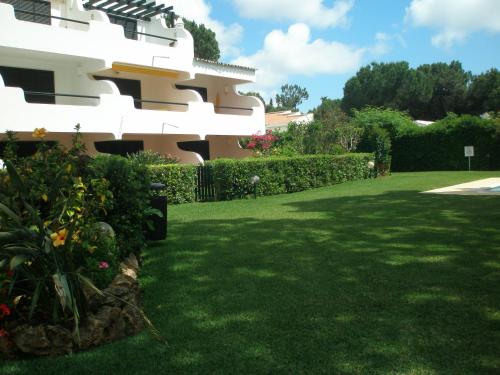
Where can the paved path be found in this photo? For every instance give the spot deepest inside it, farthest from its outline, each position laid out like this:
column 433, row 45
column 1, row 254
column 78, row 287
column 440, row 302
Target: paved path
column 479, row 187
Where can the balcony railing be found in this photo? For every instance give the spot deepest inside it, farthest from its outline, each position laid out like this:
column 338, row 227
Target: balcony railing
column 130, row 34
column 39, row 93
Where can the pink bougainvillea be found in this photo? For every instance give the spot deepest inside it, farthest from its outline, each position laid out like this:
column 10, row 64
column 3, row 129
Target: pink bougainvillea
column 261, row 143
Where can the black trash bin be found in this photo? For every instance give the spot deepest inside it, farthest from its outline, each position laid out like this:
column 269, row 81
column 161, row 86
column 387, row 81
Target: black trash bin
column 158, row 231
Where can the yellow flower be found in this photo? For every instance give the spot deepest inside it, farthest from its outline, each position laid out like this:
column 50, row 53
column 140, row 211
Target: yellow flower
column 39, row 133
column 102, row 197
column 59, row 238
column 69, row 168
column 92, row 249
column 45, row 197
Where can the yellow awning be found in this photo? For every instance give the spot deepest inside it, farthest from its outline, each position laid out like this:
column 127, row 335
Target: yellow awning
column 147, row 70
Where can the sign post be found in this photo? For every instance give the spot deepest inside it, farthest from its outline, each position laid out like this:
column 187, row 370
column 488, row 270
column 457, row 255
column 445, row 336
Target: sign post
column 469, row 152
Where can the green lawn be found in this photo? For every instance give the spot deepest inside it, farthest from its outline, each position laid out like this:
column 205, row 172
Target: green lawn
column 363, row 277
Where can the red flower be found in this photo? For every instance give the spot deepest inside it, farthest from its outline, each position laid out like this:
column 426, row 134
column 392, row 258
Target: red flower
column 9, row 273
column 4, row 333
column 4, row 310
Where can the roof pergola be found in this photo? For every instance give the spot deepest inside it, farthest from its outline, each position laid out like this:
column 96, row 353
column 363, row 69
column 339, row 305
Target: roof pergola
column 130, row 9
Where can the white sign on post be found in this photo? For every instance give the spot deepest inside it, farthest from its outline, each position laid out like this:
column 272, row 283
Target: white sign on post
column 469, row 151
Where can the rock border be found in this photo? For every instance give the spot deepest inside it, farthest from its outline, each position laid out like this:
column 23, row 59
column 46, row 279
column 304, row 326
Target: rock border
column 113, row 315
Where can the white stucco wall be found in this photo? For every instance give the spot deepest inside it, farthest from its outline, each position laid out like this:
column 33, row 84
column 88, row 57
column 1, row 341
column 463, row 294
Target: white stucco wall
column 75, row 52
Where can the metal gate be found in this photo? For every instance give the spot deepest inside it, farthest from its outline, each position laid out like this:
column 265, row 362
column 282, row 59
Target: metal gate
column 205, row 188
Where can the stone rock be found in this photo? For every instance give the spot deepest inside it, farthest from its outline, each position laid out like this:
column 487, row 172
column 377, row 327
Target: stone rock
column 91, row 332
column 6, row 348
column 130, row 266
column 105, row 229
column 134, row 321
column 43, row 340
column 114, row 323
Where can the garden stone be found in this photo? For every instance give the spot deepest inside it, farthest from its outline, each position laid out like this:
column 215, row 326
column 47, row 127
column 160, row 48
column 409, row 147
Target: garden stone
column 134, row 321
column 5, row 348
column 92, row 332
column 40, row 340
column 113, row 320
column 130, row 266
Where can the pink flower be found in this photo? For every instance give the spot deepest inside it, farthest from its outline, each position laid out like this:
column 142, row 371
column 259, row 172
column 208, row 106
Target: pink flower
column 103, row 265
column 4, row 310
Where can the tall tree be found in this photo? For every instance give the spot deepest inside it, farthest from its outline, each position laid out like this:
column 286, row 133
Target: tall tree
column 205, row 41
column 376, row 84
column 291, row 97
column 449, row 88
column 484, row 93
column 327, row 108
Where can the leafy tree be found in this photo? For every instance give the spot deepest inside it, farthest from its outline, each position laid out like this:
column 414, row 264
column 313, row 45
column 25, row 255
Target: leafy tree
column 449, row 88
column 270, row 107
column 291, row 97
column 428, row 92
column 205, row 42
column 376, row 85
column 327, row 108
column 414, row 94
column 484, row 92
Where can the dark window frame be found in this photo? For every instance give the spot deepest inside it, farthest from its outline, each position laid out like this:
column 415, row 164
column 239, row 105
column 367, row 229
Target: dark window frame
column 203, row 91
column 31, row 80
column 42, row 8
column 131, row 87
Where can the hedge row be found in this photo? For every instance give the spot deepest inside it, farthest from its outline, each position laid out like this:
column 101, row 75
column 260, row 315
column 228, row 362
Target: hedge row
column 286, row 175
column 441, row 146
column 180, row 181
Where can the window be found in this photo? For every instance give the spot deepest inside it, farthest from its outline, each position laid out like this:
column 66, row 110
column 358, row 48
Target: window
column 39, row 81
column 130, row 87
column 31, row 10
column 200, row 90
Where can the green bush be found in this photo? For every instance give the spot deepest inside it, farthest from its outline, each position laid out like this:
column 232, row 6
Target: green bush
column 286, row 175
column 129, row 184
column 149, row 157
column 440, row 146
column 50, row 243
column 180, row 181
column 376, row 140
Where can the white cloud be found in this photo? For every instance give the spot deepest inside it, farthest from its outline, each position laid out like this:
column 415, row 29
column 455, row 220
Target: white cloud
column 228, row 36
column 293, row 53
column 312, row 12
column 455, row 20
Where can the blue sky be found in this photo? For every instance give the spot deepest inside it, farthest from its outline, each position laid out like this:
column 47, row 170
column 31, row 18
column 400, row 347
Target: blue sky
column 320, row 44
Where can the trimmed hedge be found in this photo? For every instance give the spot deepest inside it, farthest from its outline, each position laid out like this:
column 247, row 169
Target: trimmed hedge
column 286, row 175
column 441, row 146
column 180, row 181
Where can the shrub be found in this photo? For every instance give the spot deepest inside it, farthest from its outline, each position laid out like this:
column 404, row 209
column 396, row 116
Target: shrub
column 148, row 157
column 285, row 175
column 180, row 181
column 440, row 146
column 129, row 184
column 376, row 140
column 392, row 121
column 49, row 245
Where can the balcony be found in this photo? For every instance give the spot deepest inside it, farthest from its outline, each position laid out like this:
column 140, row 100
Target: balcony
column 102, row 109
column 92, row 30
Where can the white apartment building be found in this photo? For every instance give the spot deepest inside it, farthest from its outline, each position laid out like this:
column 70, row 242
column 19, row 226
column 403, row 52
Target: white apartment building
column 125, row 71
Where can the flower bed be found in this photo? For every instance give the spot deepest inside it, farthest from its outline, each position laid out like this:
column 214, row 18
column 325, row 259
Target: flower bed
column 57, row 246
